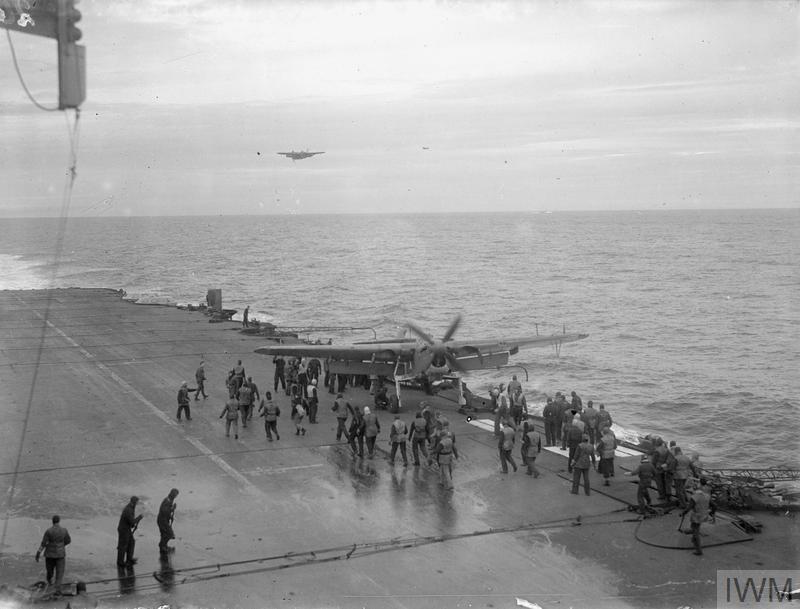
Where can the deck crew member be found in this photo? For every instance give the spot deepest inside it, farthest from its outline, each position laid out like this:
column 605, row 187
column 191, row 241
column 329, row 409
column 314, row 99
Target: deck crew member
column 580, row 465
column 230, row 384
column 577, row 402
column 200, row 377
column 434, row 435
column 550, row 415
column 577, row 421
column 589, row 417
column 183, row 401
column 507, row 447
column 419, row 437
column 372, row 428
column 256, row 393
column 302, row 377
column 659, row 461
column 697, row 465
column 313, row 401
column 330, row 378
column 567, row 416
column 341, row 409
column 238, row 374
column 54, row 542
column 669, row 468
column 519, row 406
column 279, row 364
column 166, row 516
column 681, row 473
column 513, row 386
column 270, row 411
column 646, row 473
column 700, row 505
column 231, row 413
column 245, row 402
column 605, row 450
column 298, row 414
column 356, row 432
column 445, row 453
column 126, row 543
column 503, row 411
column 291, row 375
column 313, row 369
column 246, row 317
column 561, row 405
column 572, row 436
column 531, row 447
column 397, row 436
column 604, row 417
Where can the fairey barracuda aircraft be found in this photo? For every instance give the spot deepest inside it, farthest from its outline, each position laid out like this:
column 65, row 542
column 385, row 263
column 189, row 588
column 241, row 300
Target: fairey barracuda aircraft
column 297, row 156
column 407, row 358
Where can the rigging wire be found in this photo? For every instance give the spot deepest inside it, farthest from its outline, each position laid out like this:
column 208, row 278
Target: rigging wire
column 21, row 79
column 66, row 198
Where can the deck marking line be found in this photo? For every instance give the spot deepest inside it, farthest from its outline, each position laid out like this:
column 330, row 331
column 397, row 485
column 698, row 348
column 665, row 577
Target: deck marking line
column 280, row 470
column 216, row 459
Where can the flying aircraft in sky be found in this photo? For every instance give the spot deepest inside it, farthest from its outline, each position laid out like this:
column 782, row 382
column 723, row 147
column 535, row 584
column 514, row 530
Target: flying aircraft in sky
column 296, row 156
column 407, row 358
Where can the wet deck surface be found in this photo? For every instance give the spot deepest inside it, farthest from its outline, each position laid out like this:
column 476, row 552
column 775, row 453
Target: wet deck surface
column 89, row 401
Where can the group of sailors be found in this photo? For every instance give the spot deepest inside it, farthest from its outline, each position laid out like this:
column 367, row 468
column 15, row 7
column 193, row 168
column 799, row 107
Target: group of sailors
column 587, row 434
column 244, row 397
column 301, row 371
column 429, row 434
column 584, row 432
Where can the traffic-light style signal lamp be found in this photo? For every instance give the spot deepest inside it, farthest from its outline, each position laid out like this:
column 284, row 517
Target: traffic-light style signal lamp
column 53, row 19
column 71, row 57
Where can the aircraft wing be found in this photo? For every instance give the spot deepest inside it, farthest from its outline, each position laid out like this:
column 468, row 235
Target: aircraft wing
column 379, row 352
column 462, row 348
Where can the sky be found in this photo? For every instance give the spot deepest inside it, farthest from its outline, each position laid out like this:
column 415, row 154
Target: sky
column 419, row 107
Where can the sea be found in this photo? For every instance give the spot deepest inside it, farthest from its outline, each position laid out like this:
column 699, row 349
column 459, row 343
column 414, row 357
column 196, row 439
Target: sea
column 693, row 317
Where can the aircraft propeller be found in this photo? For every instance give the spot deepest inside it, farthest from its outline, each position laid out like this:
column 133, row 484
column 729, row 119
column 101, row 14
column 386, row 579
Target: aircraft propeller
column 433, row 352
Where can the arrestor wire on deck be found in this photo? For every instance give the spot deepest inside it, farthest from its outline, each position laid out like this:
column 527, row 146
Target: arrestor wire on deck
column 189, row 575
